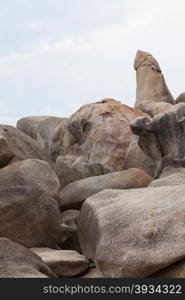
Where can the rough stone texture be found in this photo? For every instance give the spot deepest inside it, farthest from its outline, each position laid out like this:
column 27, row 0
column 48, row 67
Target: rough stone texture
column 74, row 194
column 176, row 270
column 162, row 138
column 181, row 98
column 133, row 233
column 17, row 261
column 152, row 94
column 136, row 158
column 46, row 134
column 29, row 217
column 70, row 169
column 170, row 176
column 29, row 125
column 15, row 146
column 99, row 132
column 31, row 172
column 65, row 263
column 69, row 230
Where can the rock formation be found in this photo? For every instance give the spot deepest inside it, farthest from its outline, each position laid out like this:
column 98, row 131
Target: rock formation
column 74, row 194
column 162, row 138
column 152, row 94
column 133, row 233
column 98, row 194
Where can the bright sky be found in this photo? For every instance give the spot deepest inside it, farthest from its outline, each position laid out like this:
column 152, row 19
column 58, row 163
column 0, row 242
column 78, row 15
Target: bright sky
column 56, row 55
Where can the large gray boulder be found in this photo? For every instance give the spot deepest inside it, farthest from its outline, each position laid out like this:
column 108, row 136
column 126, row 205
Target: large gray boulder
column 29, row 125
column 31, row 172
column 15, row 146
column 70, row 169
column 152, row 94
column 64, row 263
column 162, row 138
column 74, row 194
column 98, row 132
column 29, row 216
column 16, row 261
column 170, row 176
column 133, row 233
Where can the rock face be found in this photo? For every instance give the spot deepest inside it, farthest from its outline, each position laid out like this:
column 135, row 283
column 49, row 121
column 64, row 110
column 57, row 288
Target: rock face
column 162, row 138
column 99, row 133
column 43, row 129
column 70, row 169
column 133, row 233
column 181, row 98
column 152, row 95
column 136, row 158
column 20, row 262
column 29, row 125
column 69, row 230
column 170, row 176
column 74, row 194
column 15, row 146
column 31, row 172
column 29, row 217
column 65, row 263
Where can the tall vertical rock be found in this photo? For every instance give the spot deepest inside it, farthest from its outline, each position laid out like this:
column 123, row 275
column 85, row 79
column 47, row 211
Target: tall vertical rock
column 152, row 94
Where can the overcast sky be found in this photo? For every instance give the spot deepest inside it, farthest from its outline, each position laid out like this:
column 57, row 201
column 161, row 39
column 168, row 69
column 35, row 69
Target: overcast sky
column 56, row 55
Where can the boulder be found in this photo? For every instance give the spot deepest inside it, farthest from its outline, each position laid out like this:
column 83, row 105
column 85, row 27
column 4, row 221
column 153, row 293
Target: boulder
column 170, row 176
column 136, row 158
column 99, row 133
column 46, row 134
column 19, row 262
column 69, row 230
column 70, row 169
column 74, row 194
column 133, row 233
column 31, row 172
column 64, row 263
column 152, row 94
column 29, row 217
column 181, row 98
column 162, row 138
column 29, row 125
column 15, row 146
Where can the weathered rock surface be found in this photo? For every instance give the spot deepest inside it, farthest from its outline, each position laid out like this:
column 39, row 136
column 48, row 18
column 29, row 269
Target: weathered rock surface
column 16, row 261
column 31, row 172
column 136, row 158
column 70, row 169
column 65, row 263
column 133, row 233
column 29, row 125
column 152, row 94
column 15, row 146
column 170, row 176
column 162, row 138
column 46, row 134
column 30, row 217
column 43, row 129
column 74, row 194
column 69, row 230
column 99, row 133
column 181, row 98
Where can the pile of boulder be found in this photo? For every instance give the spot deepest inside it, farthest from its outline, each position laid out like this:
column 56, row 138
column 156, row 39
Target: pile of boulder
column 98, row 194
